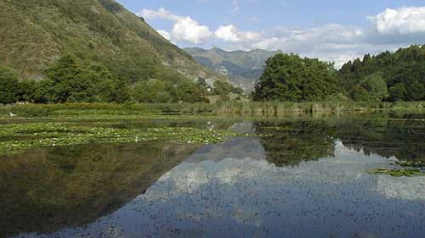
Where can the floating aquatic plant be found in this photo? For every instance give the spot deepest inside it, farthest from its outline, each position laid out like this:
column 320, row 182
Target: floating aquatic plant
column 20, row 136
column 398, row 172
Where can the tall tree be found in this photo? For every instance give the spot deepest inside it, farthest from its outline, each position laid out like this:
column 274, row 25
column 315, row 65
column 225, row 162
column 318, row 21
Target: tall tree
column 9, row 86
column 291, row 78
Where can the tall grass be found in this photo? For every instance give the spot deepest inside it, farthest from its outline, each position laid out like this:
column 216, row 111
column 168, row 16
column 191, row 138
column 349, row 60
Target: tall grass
column 262, row 109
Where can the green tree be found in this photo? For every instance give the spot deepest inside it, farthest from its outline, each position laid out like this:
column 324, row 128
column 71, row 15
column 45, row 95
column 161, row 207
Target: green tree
column 291, row 78
column 402, row 71
column 152, row 91
column 415, row 91
column 9, row 86
column 72, row 81
column 397, row 92
column 224, row 88
column 27, row 90
column 189, row 92
column 360, row 94
column 376, row 86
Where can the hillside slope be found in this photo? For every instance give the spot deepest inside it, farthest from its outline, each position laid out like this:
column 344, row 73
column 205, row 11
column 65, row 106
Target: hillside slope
column 243, row 68
column 34, row 33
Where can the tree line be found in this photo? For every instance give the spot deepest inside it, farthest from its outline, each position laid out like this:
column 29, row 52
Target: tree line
column 398, row 76
column 71, row 79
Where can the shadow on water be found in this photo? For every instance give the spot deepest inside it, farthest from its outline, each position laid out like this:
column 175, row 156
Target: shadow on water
column 47, row 189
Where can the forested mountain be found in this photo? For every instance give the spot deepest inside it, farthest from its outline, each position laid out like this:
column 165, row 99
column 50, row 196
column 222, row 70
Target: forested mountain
column 398, row 76
column 35, row 33
column 244, row 68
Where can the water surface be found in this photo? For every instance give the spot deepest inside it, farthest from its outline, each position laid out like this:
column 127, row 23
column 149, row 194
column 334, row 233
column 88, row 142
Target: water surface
column 288, row 178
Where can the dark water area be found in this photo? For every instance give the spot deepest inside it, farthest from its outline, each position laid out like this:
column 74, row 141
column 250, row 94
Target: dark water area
column 287, row 178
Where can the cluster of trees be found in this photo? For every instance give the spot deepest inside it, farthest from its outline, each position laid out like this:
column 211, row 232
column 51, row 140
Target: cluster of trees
column 73, row 80
column 68, row 80
column 398, row 76
column 292, row 78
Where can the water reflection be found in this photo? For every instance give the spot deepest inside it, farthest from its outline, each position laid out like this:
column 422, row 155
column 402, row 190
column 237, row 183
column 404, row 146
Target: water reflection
column 47, row 189
column 245, row 197
column 294, row 178
column 404, row 139
column 289, row 143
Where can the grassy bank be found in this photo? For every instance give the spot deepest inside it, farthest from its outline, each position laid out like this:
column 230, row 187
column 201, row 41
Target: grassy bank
column 262, row 109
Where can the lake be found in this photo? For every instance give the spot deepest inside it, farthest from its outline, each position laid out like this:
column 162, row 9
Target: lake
column 287, row 177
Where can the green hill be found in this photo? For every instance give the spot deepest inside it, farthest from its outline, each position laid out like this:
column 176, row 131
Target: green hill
column 244, row 68
column 397, row 76
column 35, row 33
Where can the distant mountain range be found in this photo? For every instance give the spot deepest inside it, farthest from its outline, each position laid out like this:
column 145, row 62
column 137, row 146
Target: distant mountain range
column 35, row 33
column 243, row 68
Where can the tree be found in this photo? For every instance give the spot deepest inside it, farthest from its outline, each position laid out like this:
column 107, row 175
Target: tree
column 9, row 86
column 224, row 88
column 291, row 78
column 72, row 81
column 152, row 91
column 27, row 90
column 402, row 71
column 415, row 91
column 190, row 92
column 360, row 94
column 376, row 86
column 397, row 92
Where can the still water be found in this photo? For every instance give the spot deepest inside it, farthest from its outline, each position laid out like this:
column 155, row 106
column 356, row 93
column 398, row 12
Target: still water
column 288, row 178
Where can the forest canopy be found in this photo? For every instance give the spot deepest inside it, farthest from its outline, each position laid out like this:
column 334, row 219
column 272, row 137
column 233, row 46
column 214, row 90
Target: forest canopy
column 73, row 80
column 398, row 76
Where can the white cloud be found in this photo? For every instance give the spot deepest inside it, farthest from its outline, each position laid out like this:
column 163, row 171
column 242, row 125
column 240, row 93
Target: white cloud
column 227, row 33
column 160, row 14
column 189, row 30
column 389, row 30
column 231, row 34
column 408, row 20
column 184, row 29
column 165, row 34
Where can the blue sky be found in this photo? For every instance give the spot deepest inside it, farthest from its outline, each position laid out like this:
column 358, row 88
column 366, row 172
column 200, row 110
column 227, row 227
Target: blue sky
column 333, row 30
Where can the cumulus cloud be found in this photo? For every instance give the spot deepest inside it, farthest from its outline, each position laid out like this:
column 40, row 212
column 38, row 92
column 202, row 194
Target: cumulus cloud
column 227, row 33
column 184, row 29
column 189, row 30
column 160, row 14
column 231, row 33
column 408, row 20
column 389, row 30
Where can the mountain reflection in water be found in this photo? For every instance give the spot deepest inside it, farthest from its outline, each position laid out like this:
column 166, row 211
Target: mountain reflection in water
column 294, row 179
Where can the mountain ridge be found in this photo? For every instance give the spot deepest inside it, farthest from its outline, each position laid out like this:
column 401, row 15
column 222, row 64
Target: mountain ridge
column 243, row 68
column 34, row 34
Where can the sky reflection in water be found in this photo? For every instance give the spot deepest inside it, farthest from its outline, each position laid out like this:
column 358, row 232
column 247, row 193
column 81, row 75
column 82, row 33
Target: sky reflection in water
column 231, row 190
